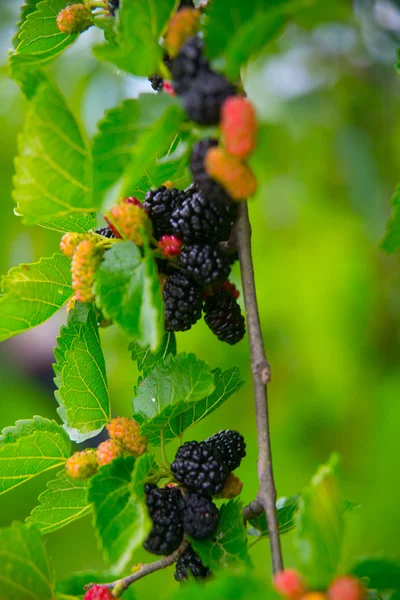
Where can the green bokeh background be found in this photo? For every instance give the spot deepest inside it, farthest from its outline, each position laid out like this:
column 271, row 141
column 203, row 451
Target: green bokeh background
column 327, row 93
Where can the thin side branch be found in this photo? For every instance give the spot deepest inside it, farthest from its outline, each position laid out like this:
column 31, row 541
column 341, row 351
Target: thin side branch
column 121, row 585
column 261, row 377
column 253, row 510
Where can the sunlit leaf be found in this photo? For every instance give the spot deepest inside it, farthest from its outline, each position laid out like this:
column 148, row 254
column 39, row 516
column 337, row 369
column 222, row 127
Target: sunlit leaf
column 64, row 501
column 40, row 40
column 169, row 390
column 119, row 132
column 146, row 359
column 30, row 448
column 54, row 167
column 33, row 293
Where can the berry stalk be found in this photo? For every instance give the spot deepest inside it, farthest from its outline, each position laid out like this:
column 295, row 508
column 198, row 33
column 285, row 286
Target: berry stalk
column 121, row 585
column 261, row 377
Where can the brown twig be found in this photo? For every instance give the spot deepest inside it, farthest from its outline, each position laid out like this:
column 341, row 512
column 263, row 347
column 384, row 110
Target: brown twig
column 261, row 376
column 121, row 585
column 253, row 510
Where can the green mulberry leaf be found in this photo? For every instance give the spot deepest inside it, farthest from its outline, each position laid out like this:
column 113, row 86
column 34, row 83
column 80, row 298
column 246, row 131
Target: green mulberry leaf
column 136, row 47
column 40, row 40
column 118, row 498
column 165, row 400
column 81, row 376
column 64, row 501
column 119, row 131
column 25, row 569
column 33, row 293
column 29, row 448
column 128, row 291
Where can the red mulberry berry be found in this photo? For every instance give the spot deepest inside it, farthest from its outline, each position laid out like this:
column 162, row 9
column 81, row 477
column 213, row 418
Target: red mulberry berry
column 82, row 465
column 127, row 433
column 231, row 172
column 170, row 246
column 108, row 451
column 347, row 588
column 99, row 592
column 289, row 584
column 74, row 18
column 239, row 126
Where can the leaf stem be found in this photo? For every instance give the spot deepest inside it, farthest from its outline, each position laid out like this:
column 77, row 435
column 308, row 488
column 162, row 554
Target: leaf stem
column 121, row 585
column 261, row 377
column 163, row 451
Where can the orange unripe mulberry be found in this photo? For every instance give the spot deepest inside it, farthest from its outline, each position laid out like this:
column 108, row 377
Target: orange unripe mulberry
column 232, row 488
column 127, row 433
column 108, row 450
column 85, row 261
column 347, row 588
column 239, row 126
column 182, row 25
column 289, row 584
column 69, row 242
column 231, row 172
column 82, row 465
column 130, row 221
column 74, row 18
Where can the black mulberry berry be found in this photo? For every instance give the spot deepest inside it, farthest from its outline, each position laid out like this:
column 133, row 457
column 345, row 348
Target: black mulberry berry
column 190, row 561
column 157, row 82
column 205, row 264
column 200, row 467
column 189, row 62
column 159, row 205
column 224, row 317
column 106, row 232
column 199, row 516
column 231, row 445
column 113, row 5
column 167, row 532
column 210, row 188
column 198, row 219
column 183, row 301
column 204, row 99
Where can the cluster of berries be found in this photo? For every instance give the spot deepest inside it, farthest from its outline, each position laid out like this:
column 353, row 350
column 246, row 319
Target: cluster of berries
column 209, row 98
column 202, row 470
column 290, row 586
column 125, row 438
column 126, row 220
column 189, row 228
column 185, row 230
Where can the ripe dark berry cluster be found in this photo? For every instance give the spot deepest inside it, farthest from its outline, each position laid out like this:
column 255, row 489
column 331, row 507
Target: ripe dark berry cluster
column 204, row 467
column 189, row 228
column 190, row 562
column 201, row 469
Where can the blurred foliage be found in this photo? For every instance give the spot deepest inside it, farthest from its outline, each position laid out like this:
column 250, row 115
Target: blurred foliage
column 328, row 162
